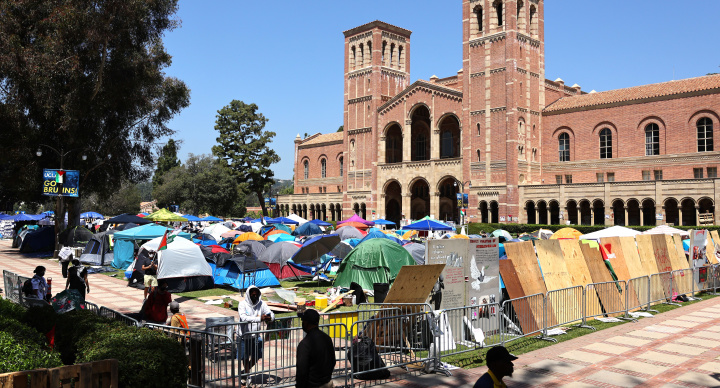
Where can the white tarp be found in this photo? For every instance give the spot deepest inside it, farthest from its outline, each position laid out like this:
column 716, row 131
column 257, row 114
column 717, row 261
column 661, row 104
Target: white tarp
column 297, row 218
column 664, row 229
column 613, row 231
column 216, row 230
column 182, row 258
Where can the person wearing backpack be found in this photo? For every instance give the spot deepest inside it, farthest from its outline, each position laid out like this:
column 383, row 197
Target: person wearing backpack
column 78, row 279
column 36, row 287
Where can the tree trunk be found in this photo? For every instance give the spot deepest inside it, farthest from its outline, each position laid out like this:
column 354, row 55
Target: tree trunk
column 262, row 203
column 74, row 208
column 59, row 222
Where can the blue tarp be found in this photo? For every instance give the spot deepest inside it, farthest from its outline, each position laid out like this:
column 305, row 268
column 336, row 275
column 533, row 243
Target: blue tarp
column 28, row 217
column 230, row 275
column 91, row 215
column 384, row 222
column 124, row 242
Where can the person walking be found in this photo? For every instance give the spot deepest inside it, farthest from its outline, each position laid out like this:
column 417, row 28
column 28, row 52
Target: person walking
column 252, row 312
column 315, row 354
column 499, row 362
column 39, row 285
column 149, row 267
column 78, row 279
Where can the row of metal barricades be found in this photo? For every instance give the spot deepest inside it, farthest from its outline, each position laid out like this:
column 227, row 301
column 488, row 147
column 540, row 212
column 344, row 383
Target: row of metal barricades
column 383, row 342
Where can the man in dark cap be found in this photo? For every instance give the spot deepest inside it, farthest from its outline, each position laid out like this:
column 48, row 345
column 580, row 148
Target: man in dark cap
column 315, row 354
column 499, row 362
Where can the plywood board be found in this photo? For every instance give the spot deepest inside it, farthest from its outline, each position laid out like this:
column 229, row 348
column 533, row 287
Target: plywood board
column 632, row 257
column 676, row 253
column 712, row 258
column 608, row 292
column 567, row 303
column 647, row 253
column 578, row 269
column 414, row 283
column 616, row 256
column 526, row 265
column 525, row 316
column 662, row 257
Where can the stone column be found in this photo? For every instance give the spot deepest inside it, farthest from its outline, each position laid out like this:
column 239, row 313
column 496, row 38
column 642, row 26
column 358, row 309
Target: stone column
column 407, row 143
column 547, row 214
column 435, row 204
column 697, row 215
column 642, row 216
column 627, row 221
column 664, row 215
column 537, row 215
column 680, row 217
column 592, row 216
column 577, row 215
column 406, row 205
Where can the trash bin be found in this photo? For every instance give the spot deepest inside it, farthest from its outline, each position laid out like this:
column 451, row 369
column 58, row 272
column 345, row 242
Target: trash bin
column 380, row 290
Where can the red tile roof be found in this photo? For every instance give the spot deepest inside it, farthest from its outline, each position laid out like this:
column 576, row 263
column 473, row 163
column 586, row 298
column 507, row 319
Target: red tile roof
column 327, row 138
column 622, row 96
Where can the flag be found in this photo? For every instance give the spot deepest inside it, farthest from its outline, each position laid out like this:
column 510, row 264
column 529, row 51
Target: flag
column 163, row 243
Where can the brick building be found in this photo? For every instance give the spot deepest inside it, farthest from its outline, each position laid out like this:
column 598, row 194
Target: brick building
column 524, row 148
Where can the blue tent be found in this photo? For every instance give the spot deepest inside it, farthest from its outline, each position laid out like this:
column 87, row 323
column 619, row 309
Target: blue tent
column 241, row 272
column 307, row 229
column 378, row 234
column 191, row 218
column 125, row 242
column 91, row 215
column 428, row 225
column 211, row 219
column 320, row 222
column 282, row 220
column 384, row 222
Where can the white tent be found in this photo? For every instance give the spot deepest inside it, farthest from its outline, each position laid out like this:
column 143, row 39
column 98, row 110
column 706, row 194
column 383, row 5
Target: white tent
column 216, row 230
column 182, row 258
column 664, row 229
column 297, row 218
column 613, row 231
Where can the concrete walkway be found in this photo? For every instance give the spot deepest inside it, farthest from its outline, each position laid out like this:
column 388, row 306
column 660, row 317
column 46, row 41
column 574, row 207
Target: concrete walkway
column 104, row 290
column 680, row 348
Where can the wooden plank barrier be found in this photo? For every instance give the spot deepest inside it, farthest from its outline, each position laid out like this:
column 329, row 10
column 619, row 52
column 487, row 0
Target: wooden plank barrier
column 647, row 258
column 557, row 277
column 98, row 374
column 710, row 250
column 661, row 250
column 526, row 265
column 632, row 257
column 614, row 248
column 609, row 294
column 527, row 320
column 578, row 269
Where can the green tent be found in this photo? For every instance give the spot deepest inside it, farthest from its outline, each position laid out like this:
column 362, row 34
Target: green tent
column 165, row 215
column 375, row 261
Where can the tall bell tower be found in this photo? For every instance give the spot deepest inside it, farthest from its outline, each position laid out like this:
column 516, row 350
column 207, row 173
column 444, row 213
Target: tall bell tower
column 503, row 97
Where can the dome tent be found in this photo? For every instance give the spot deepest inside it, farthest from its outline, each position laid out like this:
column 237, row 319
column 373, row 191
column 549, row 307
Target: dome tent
column 374, row 261
column 182, row 265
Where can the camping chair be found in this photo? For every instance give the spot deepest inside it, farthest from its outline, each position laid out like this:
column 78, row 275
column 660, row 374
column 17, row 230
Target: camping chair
column 215, row 326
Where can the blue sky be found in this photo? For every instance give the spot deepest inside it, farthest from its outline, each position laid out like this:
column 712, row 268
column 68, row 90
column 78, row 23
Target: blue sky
column 287, row 57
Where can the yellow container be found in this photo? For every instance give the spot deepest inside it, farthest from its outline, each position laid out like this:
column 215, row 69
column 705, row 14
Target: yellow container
column 321, row 302
column 342, row 318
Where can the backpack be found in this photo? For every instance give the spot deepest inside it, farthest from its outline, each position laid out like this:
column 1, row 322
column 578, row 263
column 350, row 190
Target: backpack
column 27, row 288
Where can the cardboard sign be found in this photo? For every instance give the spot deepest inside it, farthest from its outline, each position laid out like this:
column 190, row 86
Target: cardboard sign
column 449, row 292
column 483, row 271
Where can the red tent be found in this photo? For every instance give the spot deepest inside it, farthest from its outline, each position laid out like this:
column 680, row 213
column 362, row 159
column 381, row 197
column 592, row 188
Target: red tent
column 286, row 271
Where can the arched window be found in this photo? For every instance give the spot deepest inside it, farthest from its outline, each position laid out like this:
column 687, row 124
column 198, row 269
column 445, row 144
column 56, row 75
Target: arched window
column 705, row 134
column 384, row 52
column 520, row 5
column 323, row 164
column 420, row 147
column 498, row 5
column 564, row 147
column 606, row 144
column 533, row 20
column 341, row 166
column 652, row 140
column 479, row 18
column 361, row 61
column 306, row 167
column 353, row 57
column 446, row 148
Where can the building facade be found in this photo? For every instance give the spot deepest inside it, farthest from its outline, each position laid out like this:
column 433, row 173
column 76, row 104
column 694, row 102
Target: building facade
column 523, row 148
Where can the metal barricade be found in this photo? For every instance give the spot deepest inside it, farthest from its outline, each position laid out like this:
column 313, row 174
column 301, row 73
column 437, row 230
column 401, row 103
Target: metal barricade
column 662, row 288
column 207, row 368
column 368, row 310
column 705, row 279
column 715, row 274
column 683, row 284
column 112, row 314
column 392, row 339
column 92, row 307
column 612, row 300
column 469, row 328
column 12, row 284
column 568, row 305
column 637, row 291
column 522, row 317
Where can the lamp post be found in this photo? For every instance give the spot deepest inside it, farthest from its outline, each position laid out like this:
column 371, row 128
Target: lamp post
column 462, row 198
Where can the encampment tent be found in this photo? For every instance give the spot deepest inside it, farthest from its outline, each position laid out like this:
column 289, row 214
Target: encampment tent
column 41, row 240
column 125, row 242
column 241, row 272
column 98, row 251
column 76, row 236
column 375, row 261
column 307, row 229
column 182, row 265
column 297, row 218
column 216, row 230
column 613, row 231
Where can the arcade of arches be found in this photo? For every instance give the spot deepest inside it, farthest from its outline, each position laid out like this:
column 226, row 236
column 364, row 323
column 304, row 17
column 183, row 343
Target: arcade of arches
column 438, row 201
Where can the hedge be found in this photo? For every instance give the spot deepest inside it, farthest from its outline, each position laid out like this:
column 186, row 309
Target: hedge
column 22, row 347
column 517, row 229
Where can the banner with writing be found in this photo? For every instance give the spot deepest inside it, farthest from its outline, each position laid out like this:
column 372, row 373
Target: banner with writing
column 61, row 183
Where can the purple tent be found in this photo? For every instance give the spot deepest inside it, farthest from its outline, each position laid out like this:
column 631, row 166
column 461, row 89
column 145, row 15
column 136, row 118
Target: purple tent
column 357, row 218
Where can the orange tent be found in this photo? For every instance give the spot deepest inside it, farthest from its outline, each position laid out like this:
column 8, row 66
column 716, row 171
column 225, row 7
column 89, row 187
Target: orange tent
column 248, row 236
column 566, row 233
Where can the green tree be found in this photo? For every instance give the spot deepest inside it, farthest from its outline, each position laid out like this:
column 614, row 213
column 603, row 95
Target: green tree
column 84, row 77
column 243, row 144
column 146, row 190
column 126, row 200
column 166, row 161
column 287, row 190
column 342, row 128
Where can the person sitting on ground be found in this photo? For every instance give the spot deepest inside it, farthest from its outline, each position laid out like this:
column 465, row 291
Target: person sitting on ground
column 156, row 305
column 252, row 312
column 315, row 360
column 78, row 278
column 149, row 266
column 39, row 285
column 178, row 319
column 499, row 362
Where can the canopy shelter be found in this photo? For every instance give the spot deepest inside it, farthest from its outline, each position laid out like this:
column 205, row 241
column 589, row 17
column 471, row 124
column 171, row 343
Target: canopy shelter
column 297, row 218
column 427, row 225
column 356, row 218
column 354, row 224
column 99, row 250
column 307, row 229
column 126, row 218
column 347, row 232
column 28, row 217
column 261, row 220
column 320, row 222
column 664, row 229
column 216, row 230
column 283, row 220
column 385, row 222
column 125, row 242
column 613, row 231
column 192, row 218
column 376, row 261
column 182, row 265
column 91, row 216
column 566, row 233
column 278, row 259
column 165, row 215
column 211, row 219
column 241, row 272
column 315, row 247
column 122, row 227
column 75, row 236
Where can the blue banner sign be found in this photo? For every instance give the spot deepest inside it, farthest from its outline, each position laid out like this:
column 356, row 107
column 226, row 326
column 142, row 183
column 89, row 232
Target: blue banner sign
column 61, row 183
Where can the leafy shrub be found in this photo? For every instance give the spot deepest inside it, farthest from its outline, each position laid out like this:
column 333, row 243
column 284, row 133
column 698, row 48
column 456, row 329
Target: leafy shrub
column 11, row 310
column 71, row 327
column 146, row 358
column 22, row 333
column 41, row 319
column 17, row 355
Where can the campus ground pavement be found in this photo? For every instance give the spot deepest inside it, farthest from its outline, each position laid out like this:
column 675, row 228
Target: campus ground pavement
column 679, row 348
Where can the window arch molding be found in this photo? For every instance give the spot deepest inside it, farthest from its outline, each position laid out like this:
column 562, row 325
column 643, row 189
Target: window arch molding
column 415, row 107
column 613, row 132
column 556, row 138
column 661, row 129
column 390, row 125
column 321, row 157
column 692, row 125
column 412, row 182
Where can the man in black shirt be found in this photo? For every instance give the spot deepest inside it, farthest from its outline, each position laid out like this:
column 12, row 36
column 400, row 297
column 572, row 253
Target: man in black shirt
column 149, row 266
column 315, row 354
column 78, row 279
